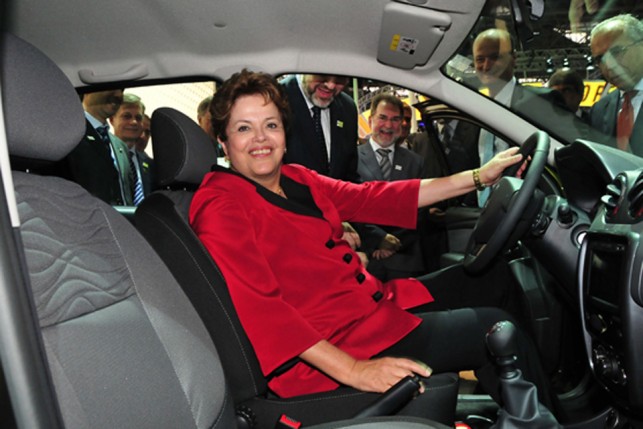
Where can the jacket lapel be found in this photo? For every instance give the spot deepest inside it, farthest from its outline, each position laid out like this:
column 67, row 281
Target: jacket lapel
column 336, row 131
column 400, row 166
column 368, row 159
column 636, row 140
column 303, row 121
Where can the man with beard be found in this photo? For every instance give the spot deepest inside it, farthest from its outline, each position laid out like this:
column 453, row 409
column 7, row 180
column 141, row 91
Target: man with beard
column 323, row 133
column 395, row 252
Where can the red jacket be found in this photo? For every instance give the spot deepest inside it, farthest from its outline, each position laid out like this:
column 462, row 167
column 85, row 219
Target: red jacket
column 293, row 280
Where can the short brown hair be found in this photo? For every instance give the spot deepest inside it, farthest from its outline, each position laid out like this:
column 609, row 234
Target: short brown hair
column 387, row 97
column 244, row 83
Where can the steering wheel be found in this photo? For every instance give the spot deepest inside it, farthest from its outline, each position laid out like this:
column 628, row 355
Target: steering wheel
column 504, row 208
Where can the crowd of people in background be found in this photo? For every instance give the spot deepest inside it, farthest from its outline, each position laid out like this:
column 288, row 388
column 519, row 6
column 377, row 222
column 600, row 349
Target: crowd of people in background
column 112, row 162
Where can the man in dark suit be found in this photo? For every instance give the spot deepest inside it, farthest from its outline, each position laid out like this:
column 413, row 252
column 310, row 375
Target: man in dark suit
column 146, row 161
column 617, row 48
column 336, row 156
column 100, row 157
column 128, row 126
column 333, row 150
column 381, row 159
column 494, row 60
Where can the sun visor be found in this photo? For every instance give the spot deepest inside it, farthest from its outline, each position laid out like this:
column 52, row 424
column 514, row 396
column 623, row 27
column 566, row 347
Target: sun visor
column 410, row 34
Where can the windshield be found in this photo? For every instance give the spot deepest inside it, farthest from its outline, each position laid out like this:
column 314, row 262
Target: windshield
column 574, row 72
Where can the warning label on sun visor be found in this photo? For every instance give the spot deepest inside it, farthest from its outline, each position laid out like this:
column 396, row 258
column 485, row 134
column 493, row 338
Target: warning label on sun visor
column 403, row 44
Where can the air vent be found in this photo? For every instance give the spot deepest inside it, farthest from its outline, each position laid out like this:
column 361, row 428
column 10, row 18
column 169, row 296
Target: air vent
column 635, row 197
column 613, row 196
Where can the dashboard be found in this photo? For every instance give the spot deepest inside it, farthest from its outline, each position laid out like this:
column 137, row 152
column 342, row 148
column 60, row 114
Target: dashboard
column 607, row 185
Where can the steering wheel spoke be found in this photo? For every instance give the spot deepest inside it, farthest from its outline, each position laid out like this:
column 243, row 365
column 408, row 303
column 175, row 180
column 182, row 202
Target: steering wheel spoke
column 505, row 207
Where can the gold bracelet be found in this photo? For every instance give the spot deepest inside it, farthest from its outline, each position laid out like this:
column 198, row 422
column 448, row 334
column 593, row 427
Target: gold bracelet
column 476, row 180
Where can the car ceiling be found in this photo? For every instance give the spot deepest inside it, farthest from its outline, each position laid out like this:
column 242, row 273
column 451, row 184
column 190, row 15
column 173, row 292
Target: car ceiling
column 153, row 39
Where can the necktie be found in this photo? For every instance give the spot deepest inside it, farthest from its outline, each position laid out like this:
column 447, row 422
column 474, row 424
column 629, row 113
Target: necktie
column 625, row 121
column 319, row 134
column 488, row 151
column 137, row 185
column 103, row 132
column 385, row 163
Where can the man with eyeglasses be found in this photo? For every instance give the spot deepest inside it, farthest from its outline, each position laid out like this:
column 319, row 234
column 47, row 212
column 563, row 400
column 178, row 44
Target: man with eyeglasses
column 395, row 252
column 618, row 52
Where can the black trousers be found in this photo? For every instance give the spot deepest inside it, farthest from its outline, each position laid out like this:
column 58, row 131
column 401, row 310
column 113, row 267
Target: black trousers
column 452, row 334
column 452, row 288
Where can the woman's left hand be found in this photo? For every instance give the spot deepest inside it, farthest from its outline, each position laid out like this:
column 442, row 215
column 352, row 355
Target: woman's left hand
column 491, row 172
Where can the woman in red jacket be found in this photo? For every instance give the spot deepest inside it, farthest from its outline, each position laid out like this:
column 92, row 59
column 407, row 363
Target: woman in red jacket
column 300, row 290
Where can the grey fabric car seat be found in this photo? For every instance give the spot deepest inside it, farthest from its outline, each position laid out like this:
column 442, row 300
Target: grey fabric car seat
column 183, row 155
column 123, row 346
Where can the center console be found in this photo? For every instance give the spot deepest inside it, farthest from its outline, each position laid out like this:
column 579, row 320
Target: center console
column 611, row 296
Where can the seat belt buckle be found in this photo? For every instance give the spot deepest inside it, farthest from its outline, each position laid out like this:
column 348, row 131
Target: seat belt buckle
column 286, row 422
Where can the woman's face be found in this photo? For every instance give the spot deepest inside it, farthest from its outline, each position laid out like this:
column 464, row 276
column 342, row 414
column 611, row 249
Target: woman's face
column 256, row 138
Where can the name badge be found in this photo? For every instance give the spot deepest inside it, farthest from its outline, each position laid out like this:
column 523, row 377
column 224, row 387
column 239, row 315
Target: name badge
column 398, row 167
column 340, row 124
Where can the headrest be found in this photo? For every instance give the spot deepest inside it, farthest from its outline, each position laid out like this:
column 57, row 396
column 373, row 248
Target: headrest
column 44, row 117
column 183, row 152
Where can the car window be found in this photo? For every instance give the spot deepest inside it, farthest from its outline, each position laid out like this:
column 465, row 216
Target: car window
column 114, row 160
column 184, row 97
column 537, row 59
column 444, row 138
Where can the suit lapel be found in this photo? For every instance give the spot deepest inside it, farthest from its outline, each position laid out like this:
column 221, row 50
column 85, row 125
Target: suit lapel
column 336, row 130
column 304, row 122
column 369, row 161
column 400, row 165
column 611, row 112
column 636, row 140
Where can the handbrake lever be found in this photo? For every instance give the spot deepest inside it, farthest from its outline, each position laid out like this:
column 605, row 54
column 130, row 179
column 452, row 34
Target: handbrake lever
column 394, row 398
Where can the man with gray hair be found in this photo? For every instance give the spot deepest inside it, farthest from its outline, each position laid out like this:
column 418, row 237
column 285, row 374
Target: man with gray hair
column 617, row 49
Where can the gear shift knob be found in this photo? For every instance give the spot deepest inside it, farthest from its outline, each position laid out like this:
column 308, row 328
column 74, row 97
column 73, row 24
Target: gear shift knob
column 501, row 339
column 502, row 345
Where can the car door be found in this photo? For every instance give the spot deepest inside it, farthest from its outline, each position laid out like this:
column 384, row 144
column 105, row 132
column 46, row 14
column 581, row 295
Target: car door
column 452, row 137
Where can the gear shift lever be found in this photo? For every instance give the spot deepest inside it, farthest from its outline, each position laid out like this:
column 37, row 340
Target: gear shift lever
column 521, row 406
column 502, row 346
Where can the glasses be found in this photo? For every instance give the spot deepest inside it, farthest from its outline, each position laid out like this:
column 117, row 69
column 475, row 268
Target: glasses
column 614, row 52
column 395, row 120
column 337, row 80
